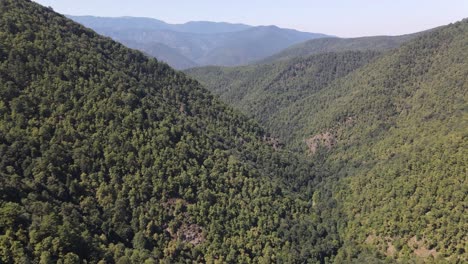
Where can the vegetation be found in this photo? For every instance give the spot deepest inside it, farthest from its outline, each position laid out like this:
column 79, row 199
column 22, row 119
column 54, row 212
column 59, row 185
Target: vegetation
column 107, row 155
column 324, row 45
column 390, row 137
column 262, row 91
column 400, row 150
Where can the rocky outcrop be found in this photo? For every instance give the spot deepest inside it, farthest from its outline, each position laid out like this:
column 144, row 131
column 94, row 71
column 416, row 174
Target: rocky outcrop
column 326, row 140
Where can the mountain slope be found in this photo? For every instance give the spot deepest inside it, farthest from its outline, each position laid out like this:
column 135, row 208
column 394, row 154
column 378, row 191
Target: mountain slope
column 107, row 155
column 205, row 43
column 397, row 129
column 391, row 136
column 323, row 45
column 262, row 91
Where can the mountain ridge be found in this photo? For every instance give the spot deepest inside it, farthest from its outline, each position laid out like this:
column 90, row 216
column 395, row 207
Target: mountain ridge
column 131, row 22
column 262, row 90
column 376, row 43
column 224, row 44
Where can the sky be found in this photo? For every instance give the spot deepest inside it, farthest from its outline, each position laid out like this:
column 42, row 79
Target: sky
column 343, row 18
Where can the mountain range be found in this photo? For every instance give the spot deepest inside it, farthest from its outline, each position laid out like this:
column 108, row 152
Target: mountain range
column 197, row 43
column 352, row 155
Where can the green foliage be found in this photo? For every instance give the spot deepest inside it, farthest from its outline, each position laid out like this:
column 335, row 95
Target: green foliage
column 397, row 167
column 401, row 159
column 262, row 91
column 109, row 156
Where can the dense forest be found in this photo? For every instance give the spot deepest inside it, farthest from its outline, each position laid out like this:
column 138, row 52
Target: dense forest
column 324, row 45
column 344, row 156
column 395, row 133
column 391, row 135
column 109, row 156
column 263, row 91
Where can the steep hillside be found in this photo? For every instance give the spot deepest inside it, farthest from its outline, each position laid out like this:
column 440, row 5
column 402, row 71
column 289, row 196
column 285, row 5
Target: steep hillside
column 392, row 137
column 205, row 43
column 323, row 45
column 398, row 138
column 261, row 91
column 107, row 155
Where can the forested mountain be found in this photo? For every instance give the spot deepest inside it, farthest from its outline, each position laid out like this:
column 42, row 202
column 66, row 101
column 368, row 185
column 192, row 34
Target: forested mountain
column 263, row 91
column 392, row 136
column 109, row 156
column 323, row 45
column 205, row 43
column 395, row 133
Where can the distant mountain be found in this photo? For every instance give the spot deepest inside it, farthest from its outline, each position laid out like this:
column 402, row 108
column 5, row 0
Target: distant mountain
column 249, row 45
column 163, row 53
column 121, row 23
column 315, row 46
column 204, row 43
column 207, row 27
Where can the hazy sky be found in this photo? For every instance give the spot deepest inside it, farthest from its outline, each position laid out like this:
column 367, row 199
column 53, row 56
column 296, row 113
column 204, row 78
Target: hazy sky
column 344, row 18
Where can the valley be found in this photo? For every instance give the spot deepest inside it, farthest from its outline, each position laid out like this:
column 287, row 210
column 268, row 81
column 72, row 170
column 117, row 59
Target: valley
column 271, row 146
